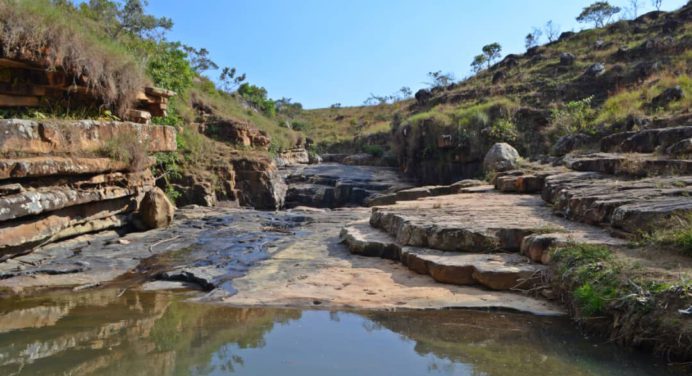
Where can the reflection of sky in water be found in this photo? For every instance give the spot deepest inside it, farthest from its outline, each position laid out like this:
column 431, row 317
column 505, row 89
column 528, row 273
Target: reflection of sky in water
column 106, row 332
column 356, row 346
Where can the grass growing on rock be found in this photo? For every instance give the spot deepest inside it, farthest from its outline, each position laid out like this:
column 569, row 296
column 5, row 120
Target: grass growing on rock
column 53, row 36
column 635, row 305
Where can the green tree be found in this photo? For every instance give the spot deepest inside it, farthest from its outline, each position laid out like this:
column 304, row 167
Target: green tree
column 168, row 66
column 598, row 13
column 256, row 96
column 440, row 79
column 230, row 80
column 199, row 59
column 134, row 20
column 478, row 63
column 491, row 52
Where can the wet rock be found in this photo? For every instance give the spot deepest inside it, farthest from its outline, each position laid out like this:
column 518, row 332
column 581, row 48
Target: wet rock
column 501, row 157
column 361, row 159
column 567, row 58
column 156, row 210
column 334, row 185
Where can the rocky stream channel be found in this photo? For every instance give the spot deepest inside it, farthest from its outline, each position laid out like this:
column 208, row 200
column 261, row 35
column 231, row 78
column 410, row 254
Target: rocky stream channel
column 228, row 290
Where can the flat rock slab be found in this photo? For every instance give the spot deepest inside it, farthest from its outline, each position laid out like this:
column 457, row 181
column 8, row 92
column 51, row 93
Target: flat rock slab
column 476, row 222
column 628, row 205
column 498, row 271
column 319, row 272
column 631, row 164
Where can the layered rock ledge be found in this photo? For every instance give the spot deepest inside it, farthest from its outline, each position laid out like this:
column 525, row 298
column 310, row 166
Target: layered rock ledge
column 53, row 184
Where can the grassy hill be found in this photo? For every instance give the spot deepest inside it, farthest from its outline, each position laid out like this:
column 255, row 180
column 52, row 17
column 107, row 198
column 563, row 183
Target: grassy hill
column 590, row 83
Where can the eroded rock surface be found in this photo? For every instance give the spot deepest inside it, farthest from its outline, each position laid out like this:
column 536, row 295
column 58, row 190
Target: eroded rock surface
column 332, row 185
column 475, row 222
column 251, row 258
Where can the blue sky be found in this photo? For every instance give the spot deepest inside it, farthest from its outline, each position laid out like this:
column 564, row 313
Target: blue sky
column 320, row 52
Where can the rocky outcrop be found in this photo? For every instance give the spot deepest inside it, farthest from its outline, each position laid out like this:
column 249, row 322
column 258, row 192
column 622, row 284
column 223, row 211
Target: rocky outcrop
column 333, row 185
column 42, row 137
column 47, row 193
column 293, row 157
column 631, row 206
column 259, row 183
column 635, row 165
column 237, row 133
column 645, row 141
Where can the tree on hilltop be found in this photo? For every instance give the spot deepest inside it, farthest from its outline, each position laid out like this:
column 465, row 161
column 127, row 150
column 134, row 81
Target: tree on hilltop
column 598, row 13
column 491, row 52
column 552, row 31
column 478, row 63
column 533, row 38
column 656, row 4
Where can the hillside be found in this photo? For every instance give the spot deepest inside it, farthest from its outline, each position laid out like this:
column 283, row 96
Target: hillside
column 584, row 85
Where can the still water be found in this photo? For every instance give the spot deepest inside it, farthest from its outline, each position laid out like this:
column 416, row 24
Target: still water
column 107, row 332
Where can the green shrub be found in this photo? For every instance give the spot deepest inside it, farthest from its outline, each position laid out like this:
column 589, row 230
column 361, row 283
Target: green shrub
column 375, row 150
column 126, row 147
column 257, row 97
column 573, row 117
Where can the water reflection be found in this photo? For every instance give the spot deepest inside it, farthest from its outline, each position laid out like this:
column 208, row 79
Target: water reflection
column 138, row 333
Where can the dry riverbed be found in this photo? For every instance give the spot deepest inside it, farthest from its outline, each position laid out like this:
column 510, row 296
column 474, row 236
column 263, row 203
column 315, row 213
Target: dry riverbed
column 250, row 258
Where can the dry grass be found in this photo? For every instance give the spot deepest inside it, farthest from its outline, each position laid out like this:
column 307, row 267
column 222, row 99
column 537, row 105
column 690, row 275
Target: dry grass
column 35, row 31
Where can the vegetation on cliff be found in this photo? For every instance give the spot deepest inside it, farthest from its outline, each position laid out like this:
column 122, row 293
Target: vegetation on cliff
column 615, row 77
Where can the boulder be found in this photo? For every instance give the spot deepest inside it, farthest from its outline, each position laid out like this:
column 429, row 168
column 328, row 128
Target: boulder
column 566, row 35
column 156, row 210
column 567, row 58
column 668, row 95
column 595, row 70
column 501, row 157
column 423, row 96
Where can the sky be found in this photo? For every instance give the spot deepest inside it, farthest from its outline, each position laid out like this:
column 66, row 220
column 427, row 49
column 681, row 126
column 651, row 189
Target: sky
column 321, row 52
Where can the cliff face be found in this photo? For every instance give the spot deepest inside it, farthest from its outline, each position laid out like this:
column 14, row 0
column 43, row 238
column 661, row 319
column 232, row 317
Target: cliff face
column 55, row 182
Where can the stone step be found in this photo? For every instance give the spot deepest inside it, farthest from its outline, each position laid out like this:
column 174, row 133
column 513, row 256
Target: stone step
column 632, row 206
column 477, row 222
column 498, row 271
column 427, row 191
column 635, row 165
